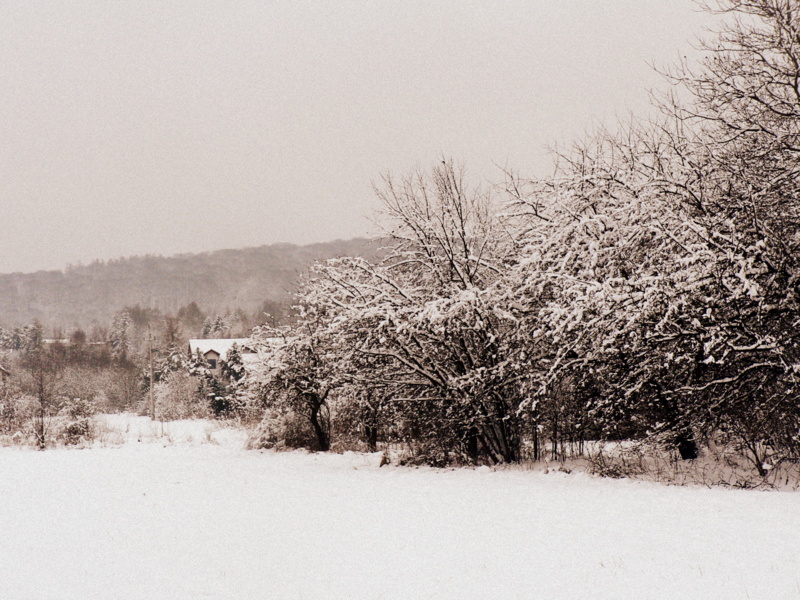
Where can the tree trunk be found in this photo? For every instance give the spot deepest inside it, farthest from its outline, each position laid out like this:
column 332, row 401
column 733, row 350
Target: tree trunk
column 371, row 435
column 321, row 427
column 687, row 445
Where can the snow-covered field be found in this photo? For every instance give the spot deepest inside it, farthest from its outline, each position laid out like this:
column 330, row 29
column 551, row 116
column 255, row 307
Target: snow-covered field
column 192, row 515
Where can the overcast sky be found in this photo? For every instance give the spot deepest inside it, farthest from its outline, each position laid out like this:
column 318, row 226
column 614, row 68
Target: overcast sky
column 167, row 126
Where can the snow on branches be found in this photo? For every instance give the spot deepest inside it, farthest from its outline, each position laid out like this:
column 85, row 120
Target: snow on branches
column 648, row 290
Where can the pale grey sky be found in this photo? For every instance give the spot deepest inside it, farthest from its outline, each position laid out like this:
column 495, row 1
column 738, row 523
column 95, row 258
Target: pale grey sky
column 167, row 126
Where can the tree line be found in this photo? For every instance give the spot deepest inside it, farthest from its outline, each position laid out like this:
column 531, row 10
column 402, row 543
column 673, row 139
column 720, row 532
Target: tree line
column 225, row 281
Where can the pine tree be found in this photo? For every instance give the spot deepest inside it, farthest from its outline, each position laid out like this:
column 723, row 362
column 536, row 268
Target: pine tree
column 119, row 336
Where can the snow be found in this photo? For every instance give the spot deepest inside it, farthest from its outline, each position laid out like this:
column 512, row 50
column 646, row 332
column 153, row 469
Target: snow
column 192, row 515
column 118, row 429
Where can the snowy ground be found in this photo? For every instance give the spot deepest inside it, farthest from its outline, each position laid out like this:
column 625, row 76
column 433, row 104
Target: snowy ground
column 192, row 515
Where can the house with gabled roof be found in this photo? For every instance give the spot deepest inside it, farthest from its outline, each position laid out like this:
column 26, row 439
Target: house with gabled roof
column 215, row 351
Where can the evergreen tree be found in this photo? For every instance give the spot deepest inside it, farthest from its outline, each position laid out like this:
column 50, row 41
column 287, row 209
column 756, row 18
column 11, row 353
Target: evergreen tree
column 119, row 336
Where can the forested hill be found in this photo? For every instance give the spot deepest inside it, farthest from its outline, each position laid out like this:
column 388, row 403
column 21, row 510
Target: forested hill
column 219, row 282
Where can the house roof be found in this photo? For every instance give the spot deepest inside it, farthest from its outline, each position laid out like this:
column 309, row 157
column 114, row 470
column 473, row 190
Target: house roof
column 220, row 346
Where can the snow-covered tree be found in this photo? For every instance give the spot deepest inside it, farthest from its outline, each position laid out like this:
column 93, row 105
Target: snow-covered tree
column 692, row 329
column 649, row 289
column 119, row 336
column 298, row 374
column 418, row 336
column 216, row 327
column 232, row 368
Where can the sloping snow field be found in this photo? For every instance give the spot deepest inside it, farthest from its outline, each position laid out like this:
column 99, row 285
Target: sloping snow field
column 192, row 515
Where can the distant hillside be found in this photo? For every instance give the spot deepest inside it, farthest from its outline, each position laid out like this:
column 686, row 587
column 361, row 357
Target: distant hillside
column 219, row 281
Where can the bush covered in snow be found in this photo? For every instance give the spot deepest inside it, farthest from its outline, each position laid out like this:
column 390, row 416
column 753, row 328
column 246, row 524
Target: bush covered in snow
column 177, row 397
column 282, row 430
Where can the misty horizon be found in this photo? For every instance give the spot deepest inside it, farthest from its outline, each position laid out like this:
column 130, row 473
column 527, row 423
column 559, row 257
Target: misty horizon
column 168, row 128
column 185, row 255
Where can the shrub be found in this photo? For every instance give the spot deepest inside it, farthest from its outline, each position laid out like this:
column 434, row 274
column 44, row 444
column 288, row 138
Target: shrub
column 283, row 429
column 177, row 397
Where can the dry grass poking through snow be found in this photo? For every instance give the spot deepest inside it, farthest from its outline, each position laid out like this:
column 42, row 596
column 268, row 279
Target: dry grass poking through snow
column 126, row 428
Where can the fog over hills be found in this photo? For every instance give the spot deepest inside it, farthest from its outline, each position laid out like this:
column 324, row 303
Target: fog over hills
column 219, row 282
